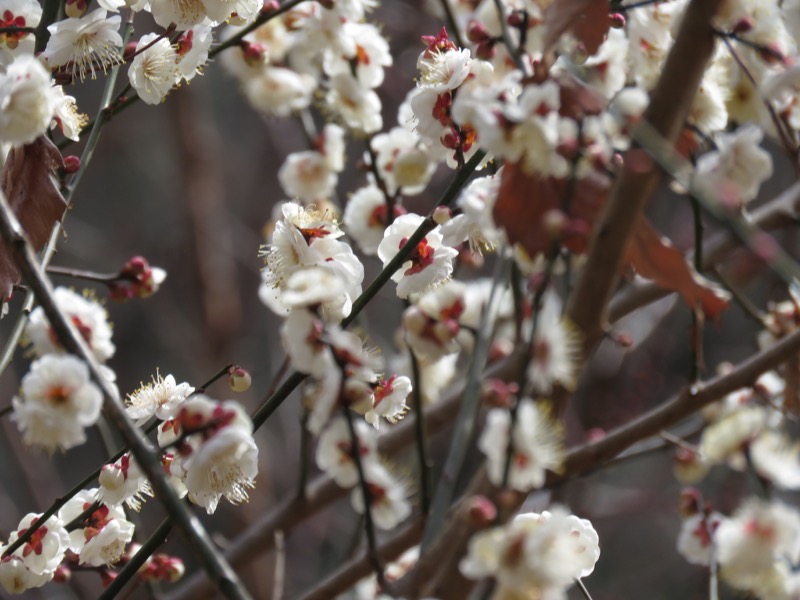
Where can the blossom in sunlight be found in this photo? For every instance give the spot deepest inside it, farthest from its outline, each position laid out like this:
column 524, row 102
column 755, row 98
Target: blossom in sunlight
column 776, row 457
column 219, row 456
column 28, row 101
column 88, row 316
column 365, row 218
column 57, row 401
column 123, row 481
column 312, row 175
column 475, row 223
column 430, row 263
column 161, row 397
column 86, row 43
column 101, row 538
column 154, row 71
column 192, row 49
column 537, row 445
column 402, row 161
column 388, row 497
column 66, row 116
column 334, row 450
column 535, row 555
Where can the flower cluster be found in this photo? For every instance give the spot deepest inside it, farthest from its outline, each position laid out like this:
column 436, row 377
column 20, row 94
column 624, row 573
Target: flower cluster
column 534, row 555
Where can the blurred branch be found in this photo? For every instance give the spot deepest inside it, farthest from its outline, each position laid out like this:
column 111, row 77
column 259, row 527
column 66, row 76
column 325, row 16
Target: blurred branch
column 667, row 111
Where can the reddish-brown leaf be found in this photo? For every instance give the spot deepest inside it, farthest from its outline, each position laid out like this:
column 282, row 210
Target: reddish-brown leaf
column 587, row 20
column 522, row 207
column 653, row 257
column 30, row 185
column 523, row 201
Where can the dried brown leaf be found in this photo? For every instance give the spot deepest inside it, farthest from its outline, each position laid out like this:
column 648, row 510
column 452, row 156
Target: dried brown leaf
column 587, row 20
column 29, row 183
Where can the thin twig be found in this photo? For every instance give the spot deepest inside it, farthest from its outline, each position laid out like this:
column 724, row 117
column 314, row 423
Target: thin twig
column 421, row 438
column 582, row 587
column 451, row 21
column 697, row 319
column 279, row 578
column 366, row 494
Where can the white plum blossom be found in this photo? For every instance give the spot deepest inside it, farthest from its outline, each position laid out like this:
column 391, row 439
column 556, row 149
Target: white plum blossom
column 696, row 538
column 475, row 223
column 18, row 13
column 556, row 348
column 57, row 402
column 389, row 504
column 43, row 553
column 432, row 324
column 535, row 555
column 154, row 71
column 88, row 316
column 537, row 445
column 311, row 175
column 123, row 481
column 66, row 116
column 221, row 458
column 86, row 42
column 161, row 397
column 442, row 71
column 776, row 458
column 302, row 336
column 402, row 161
column 280, row 91
column 757, row 536
column 359, row 108
column 28, row 101
column 726, row 437
column 16, row 577
column 365, row 218
column 192, row 49
column 368, row 52
column 430, row 264
column 389, row 400
column 334, row 450
column 102, row 537
column 735, row 171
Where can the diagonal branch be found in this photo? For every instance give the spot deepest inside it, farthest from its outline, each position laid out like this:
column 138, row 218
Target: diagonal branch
column 144, row 452
column 669, row 105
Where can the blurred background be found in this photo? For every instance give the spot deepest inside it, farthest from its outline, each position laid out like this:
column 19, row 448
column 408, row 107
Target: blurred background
column 191, row 185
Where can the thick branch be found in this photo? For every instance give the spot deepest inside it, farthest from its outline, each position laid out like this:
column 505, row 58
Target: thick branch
column 669, row 105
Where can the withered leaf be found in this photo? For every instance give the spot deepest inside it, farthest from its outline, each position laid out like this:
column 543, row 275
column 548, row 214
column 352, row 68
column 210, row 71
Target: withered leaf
column 587, row 20
column 29, row 183
column 521, row 208
column 653, row 257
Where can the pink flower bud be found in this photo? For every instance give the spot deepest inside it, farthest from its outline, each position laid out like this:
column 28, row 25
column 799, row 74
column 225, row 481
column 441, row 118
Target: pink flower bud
column 481, row 512
column 616, row 20
column 485, row 50
column 477, row 32
column 441, row 215
column 72, row 163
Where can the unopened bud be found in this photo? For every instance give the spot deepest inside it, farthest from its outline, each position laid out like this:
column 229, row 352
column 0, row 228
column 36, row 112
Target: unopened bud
column 75, row 8
column 62, row 574
column 616, row 20
column 481, row 512
column 496, row 393
column 595, row 434
column 442, row 214
column 743, row 25
column 477, row 32
column 624, row 339
column 500, row 349
column 486, row 50
column 72, row 164
column 451, row 140
column 239, row 379
column 516, row 19
column 172, row 569
column 254, row 54
column 270, row 6
column 772, row 54
column 106, row 577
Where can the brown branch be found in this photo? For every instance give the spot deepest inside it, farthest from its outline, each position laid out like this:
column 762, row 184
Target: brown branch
column 781, row 211
column 669, row 105
column 591, row 456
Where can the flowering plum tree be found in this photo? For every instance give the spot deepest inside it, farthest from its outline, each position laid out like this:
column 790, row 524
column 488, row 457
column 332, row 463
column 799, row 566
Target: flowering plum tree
column 468, row 323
